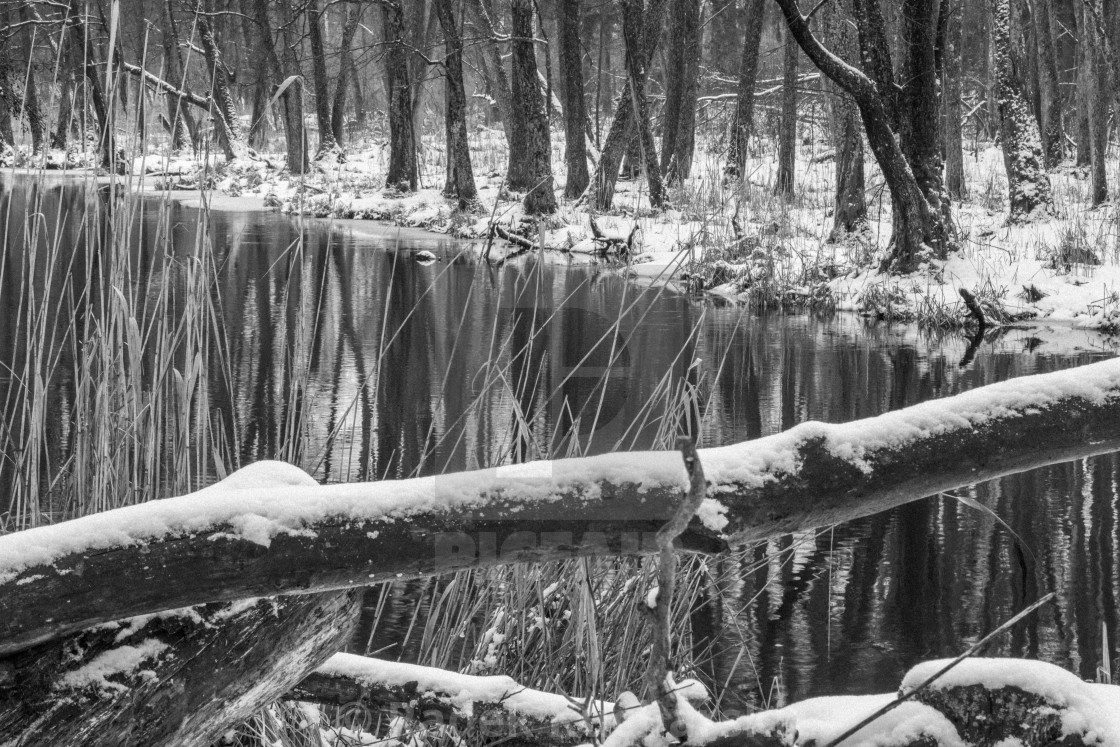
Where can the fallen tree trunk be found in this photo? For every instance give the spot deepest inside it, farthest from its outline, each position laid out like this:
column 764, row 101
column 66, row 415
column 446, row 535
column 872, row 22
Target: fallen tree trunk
column 177, row 678
column 206, row 547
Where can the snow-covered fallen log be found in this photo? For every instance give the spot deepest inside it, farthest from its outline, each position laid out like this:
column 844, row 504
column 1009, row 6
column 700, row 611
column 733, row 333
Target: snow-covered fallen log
column 295, row 537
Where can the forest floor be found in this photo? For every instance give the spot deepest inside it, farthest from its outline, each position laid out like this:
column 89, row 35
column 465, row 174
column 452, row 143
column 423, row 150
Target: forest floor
column 738, row 240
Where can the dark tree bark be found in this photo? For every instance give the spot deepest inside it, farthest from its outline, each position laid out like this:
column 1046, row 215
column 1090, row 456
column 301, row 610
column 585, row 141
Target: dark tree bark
column 192, row 674
column 7, row 135
column 850, row 212
column 460, row 175
column 920, row 228
column 402, row 149
column 743, row 122
column 952, row 86
column 618, row 137
column 821, row 474
column 535, row 173
column 1094, row 87
column 575, row 105
column 787, row 131
column 180, row 121
column 346, row 71
column 678, row 119
column 494, row 71
column 327, row 144
column 87, row 55
column 875, row 51
column 36, row 122
column 291, row 100
column 1028, row 183
column 633, row 15
column 231, row 133
column 1053, row 136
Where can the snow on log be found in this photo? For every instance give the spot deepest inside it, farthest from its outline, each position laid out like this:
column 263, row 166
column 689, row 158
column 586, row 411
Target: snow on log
column 300, row 538
column 177, row 678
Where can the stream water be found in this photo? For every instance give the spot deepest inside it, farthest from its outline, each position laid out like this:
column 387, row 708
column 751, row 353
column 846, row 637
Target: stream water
column 332, row 347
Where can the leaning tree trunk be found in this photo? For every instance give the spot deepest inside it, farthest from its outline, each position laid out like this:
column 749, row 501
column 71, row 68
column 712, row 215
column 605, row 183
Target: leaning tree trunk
column 952, row 113
column 327, row 144
column 787, row 132
column 743, row 122
column 180, row 121
column 618, row 137
column 678, row 119
column 1028, row 183
column 346, row 71
column 402, row 148
column 575, row 106
column 529, row 107
column 1094, row 87
column 1053, row 136
column 460, row 175
column 494, row 70
column 231, row 133
column 919, row 229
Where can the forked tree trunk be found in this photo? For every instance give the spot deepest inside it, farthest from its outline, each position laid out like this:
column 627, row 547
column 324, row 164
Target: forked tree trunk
column 346, row 71
column 678, row 119
column 742, row 124
column 787, row 131
column 618, row 137
column 402, row 148
column 460, row 175
column 575, row 106
column 1028, row 183
column 535, row 178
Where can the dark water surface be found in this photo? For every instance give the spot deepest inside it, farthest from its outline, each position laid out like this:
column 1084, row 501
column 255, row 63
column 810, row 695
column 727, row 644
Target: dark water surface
column 331, row 347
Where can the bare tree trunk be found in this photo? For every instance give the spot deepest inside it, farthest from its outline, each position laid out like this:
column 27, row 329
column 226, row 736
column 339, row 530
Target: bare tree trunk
column 919, row 227
column 1094, row 87
column 529, row 108
column 7, row 135
column 327, row 142
column 460, row 175
column 743, row 122
column 291, row 100
column 787, row 132
column 346, row 71
column 180, row 120
column 618, row 137
column 951, row 85
column 850, row 212
column 1022, row 147
column 36, row 122
column 1053, row 137
column 402, row 148
column 493, row 67
column 575, row 106
column 231, row 133
column 678, row 119
column 633, row 12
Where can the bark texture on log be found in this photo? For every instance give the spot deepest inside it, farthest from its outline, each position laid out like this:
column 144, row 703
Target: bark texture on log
column 55, row 580
column 173, row 679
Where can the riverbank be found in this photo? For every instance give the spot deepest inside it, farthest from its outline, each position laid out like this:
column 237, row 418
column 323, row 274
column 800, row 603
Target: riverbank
column 735, row 240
